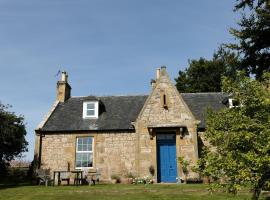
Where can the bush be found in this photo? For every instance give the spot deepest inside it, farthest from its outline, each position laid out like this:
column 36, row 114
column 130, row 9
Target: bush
column 18, row 173
column 116, row 177
column 152, row 170
column 143, row 180
column 129, row 175
column 194, row 180
column 32, row 169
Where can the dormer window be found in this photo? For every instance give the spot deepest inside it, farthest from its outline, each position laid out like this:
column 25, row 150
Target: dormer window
column 233, row 103
column 90, row 109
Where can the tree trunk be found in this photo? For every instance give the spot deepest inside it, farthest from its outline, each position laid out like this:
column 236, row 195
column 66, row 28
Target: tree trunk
column 256, row 193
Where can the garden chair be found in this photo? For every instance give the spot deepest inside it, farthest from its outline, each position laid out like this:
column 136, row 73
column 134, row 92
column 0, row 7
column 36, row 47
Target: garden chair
column 93, row 176
column 43, row 176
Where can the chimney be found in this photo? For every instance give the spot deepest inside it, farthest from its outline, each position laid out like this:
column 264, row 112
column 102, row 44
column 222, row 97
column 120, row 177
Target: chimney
column 63, row 88
column 158, row 73
column 153, row 83
column 163, row 70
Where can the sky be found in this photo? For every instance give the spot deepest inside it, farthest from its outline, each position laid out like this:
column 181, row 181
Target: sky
column 110, row 47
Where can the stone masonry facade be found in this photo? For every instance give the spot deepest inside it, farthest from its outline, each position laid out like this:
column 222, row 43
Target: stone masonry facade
column 154, row 119
column 114, row 153
column 123, row 152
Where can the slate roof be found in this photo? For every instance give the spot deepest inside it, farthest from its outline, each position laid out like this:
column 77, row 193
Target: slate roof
column 117, row 112
column 199, row 102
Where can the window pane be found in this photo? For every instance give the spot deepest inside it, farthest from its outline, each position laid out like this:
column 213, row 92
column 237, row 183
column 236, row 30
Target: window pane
column 84, row 156
column 79, row 140
column 89, row 140
column 84, row 164
column 84, row 147
column 78, row 164
column 90, row 112
column 79, row 156
column 84, row 141
column 90, row 160
column 89, row 147
column 90, row 106
column 79, row 147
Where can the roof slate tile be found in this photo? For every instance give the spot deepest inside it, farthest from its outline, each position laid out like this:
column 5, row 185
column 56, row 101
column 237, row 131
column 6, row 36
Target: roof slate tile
column 117, row 112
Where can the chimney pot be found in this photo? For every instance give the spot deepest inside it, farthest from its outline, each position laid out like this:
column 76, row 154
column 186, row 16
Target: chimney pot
column 64, row 76
column 153, row 83
column 163, row 67
column 158, row 73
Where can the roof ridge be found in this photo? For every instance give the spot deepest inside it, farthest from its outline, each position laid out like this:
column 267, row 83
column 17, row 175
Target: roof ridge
column 121, row 95
column 202, row 93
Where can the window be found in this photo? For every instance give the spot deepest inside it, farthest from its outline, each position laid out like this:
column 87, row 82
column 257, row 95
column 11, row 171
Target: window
column 233, row 103
column 90, row 109
column 163, row 99
column 84, row 152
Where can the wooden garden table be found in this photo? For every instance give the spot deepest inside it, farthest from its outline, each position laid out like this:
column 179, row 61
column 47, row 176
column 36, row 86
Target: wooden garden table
column 77, row 180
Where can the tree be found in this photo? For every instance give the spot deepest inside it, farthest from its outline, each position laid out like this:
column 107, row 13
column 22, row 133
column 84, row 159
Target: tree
column 239, row 154
column 254, row 36
column 12, row 136
column 205, row 75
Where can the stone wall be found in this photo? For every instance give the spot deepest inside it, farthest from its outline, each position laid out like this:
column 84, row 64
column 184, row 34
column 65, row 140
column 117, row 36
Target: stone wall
column 114, row 153
column 162, row 118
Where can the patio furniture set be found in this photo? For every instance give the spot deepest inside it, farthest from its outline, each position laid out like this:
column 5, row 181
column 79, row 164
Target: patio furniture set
column 79, row 177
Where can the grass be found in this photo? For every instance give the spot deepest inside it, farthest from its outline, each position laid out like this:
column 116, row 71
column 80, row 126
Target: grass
column 115, row 192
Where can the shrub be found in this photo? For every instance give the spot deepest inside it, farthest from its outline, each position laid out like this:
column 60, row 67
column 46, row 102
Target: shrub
column 116, row 177
column 152, row 170
column 129, row 175
column 143, row 180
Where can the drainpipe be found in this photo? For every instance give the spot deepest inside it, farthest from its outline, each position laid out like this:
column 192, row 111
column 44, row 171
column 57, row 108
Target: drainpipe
column 40, row 150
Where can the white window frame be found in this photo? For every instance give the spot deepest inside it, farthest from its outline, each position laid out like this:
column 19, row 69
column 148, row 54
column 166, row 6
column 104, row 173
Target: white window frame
column 231, row 103
column 82, row 168
column 95, row 116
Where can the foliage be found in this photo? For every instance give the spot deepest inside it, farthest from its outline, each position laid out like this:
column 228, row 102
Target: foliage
column 18, row 173
column 253, row 35
column 205, row 75
column 240, row 151
column 184, row 164
column 143, row 180
column 33, row 167
column 151, row 170
column 116, row 177
column 129, row 175
column 12, row 136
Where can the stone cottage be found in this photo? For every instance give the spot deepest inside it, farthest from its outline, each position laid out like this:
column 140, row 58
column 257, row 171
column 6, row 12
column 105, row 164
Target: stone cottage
column 125, row 134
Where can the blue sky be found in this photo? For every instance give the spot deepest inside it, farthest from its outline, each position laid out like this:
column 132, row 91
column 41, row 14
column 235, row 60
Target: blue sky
column 107, row 47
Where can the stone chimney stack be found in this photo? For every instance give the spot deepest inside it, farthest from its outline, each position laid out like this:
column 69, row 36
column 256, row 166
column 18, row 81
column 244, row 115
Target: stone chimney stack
column 163, row 70
column 63, row 88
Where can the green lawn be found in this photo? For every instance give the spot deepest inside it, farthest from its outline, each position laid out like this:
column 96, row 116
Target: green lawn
column 115, row 192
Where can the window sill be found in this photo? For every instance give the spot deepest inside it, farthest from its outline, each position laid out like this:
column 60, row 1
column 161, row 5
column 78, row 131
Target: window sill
column 82, row 168
column 90, row 117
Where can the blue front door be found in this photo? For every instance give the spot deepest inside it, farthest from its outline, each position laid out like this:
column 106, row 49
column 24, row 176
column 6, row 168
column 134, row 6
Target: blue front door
column 166, row 158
